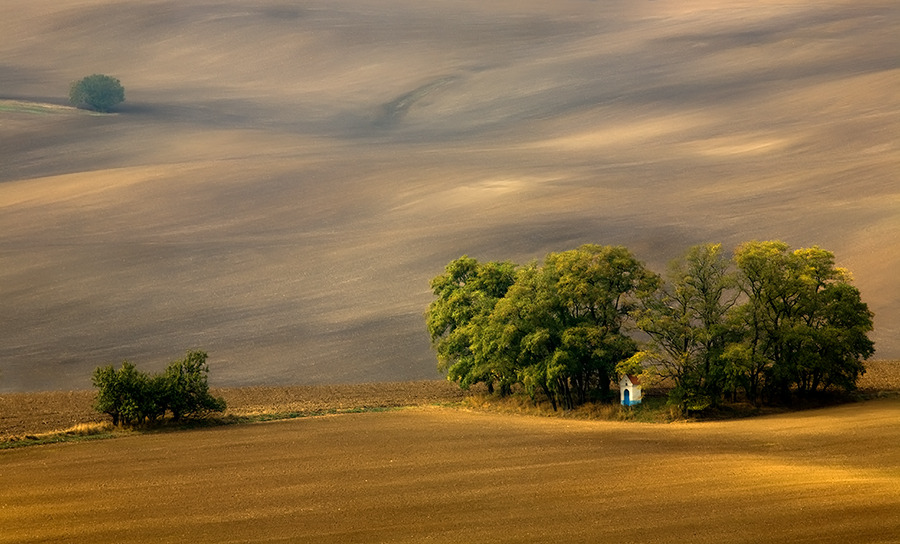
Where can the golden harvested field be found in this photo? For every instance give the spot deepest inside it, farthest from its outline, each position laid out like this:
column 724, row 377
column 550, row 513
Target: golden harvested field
column 433, row 474
column 428, row 473
column 284, row 178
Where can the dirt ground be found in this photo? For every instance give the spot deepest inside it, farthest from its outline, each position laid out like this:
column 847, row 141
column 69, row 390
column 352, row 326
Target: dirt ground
column 33, row 413
column 283, row 179
column 431, row 474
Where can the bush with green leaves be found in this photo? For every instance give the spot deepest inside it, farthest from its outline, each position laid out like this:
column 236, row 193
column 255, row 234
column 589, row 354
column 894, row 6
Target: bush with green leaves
column 119, row 393
column 132, row 397
column 768, row 324
column 97, row 92
column 187, row 391
column 557, row 328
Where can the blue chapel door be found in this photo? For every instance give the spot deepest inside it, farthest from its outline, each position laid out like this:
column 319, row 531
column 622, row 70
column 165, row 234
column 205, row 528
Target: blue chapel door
column 627, row 399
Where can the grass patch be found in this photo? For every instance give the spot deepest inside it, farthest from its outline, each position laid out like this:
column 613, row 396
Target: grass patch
column 263, row 417
column 653, row 409
column 40, row 108
column 99, row 431
column 277, row 416
column 78, row 433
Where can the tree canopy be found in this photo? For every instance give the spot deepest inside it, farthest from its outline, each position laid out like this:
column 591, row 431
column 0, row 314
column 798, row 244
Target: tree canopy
column 804, row 325
column 132, row 397
column 557, row 328
column 97, row 92
column 765, row 324
column 466, row 295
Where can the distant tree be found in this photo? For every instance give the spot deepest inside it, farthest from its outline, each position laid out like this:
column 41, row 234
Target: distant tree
column 132, row 397
column 97, row 92
column 186, row 388
column 121, row 393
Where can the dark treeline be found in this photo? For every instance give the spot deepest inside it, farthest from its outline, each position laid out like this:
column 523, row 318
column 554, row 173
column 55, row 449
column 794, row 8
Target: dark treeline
column 762, row 325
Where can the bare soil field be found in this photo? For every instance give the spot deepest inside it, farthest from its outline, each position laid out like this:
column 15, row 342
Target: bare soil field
column 284, row 179
column 433, row 474
column 35, row 413
column 24, row 414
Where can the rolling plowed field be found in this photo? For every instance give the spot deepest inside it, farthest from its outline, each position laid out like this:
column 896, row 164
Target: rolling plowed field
column 24, row 413
column 432, row 474
column 284, row 178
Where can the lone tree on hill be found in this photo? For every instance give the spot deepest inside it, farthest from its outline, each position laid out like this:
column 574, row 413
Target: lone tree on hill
column 97, row 92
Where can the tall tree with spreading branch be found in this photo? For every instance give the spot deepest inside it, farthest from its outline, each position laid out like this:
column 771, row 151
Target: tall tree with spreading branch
column 465, row 294
column 687, row 322
column 770, row 322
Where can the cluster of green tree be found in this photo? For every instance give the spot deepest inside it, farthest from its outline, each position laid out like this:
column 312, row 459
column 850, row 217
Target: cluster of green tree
column 132, row 397
column 765, row 324
column 96, row 92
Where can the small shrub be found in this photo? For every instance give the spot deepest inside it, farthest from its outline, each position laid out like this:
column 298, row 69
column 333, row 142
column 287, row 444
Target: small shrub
column 97, row 92
column 131, row 397
column 121, row 393
column 187, row 390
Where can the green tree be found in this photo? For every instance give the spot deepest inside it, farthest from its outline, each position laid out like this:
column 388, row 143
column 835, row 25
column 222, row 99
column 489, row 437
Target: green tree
column 597, row 288
column 767, row 285
column 805, row 326
column 124, row 394
column 776, row 322
column 514, row 339
column 132, row 397
column 97, row 92
column 561, row 326
column 839, row 337
column 464, row 295
column 109, row 397
column 186, row 388
column 153, row 397
column 687, row 322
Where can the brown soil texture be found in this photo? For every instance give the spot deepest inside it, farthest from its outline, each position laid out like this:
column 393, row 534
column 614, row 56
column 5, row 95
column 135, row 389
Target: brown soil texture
column 880, row 376
column 33, row 413
column 433, row 474
column 284, row 179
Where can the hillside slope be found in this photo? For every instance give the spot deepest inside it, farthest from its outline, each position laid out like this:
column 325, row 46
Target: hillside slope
column 284, row 179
